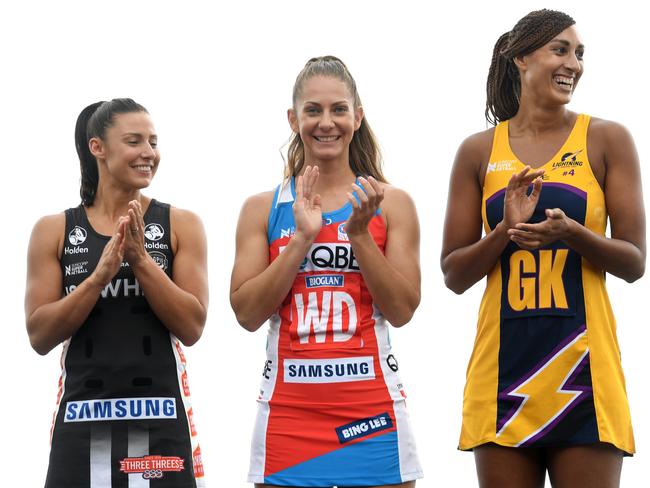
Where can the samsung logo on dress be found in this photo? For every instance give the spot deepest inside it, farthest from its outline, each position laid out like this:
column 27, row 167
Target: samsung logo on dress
column 120, row 409
column 341, row 370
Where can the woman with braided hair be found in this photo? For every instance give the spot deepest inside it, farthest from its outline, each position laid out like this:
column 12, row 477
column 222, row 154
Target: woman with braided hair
column 329, row 258
column 545, row 389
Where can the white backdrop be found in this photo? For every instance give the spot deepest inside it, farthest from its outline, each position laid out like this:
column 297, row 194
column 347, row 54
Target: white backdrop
column 217, row 81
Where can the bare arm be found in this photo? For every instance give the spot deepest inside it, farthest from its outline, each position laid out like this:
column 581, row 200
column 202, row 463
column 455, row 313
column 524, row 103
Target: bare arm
column 393, row 278
column 623, row 254
column 181, row 302
column 50, row 318
column 257, row 288
column 466, row 258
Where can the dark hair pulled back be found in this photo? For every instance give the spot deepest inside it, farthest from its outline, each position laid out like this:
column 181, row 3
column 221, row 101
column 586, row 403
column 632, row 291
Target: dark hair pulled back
column 93, row 122
column 503, row 83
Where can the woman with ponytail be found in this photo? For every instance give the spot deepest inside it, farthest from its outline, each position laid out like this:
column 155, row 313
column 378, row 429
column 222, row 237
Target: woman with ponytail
column 545, row 388
column 329, row 258
column 100, row 281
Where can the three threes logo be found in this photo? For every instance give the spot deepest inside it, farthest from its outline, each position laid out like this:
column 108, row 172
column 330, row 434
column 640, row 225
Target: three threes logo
column 152, row 467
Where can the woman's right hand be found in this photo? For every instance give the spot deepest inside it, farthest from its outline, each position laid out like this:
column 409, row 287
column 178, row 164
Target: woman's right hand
column 518, row 205
column 307, row 211
column 112, row 255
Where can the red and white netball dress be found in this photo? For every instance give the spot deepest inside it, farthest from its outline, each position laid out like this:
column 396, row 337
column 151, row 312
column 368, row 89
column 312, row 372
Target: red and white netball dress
column 331, row 407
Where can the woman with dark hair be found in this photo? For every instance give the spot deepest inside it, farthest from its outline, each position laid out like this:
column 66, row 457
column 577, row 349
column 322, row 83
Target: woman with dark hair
column 120, row 280
column 545, row 389
column 330, row 257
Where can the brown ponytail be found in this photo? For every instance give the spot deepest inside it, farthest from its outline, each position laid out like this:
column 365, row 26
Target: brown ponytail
column 365, row 156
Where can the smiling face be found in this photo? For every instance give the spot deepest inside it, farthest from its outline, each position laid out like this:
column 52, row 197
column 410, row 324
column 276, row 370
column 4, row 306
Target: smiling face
column 128, row 154
column 325, row 118
column 550, row 74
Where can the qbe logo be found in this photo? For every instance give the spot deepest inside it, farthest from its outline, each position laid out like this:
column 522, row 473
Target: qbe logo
column 154, row 232
column 77, row 235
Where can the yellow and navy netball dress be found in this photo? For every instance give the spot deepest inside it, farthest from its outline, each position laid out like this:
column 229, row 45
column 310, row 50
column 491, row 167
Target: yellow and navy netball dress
column 331, row 406
column 546, row 370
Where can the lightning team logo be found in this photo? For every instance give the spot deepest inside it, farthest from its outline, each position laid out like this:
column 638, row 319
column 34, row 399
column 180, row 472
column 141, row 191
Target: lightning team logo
column 547, row 394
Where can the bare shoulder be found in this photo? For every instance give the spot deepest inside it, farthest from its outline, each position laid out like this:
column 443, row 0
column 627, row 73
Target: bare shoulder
column 476, row 148
column 257, row 207
column 473, row 156
column 187, row 229
column 610, row 141
column 50, row 223
column 183, row 217
column 478, row 143
column 48, row 232
column 608, row 130
column 397, row 204
column 394, row 196
column 606, row 133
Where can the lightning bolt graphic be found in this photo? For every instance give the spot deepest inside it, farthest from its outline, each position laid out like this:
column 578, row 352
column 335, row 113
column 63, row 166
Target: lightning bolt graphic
column 547, row 393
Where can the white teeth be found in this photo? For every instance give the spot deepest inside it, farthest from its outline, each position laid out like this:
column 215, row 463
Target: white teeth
column 326, row 138
column 562, row 80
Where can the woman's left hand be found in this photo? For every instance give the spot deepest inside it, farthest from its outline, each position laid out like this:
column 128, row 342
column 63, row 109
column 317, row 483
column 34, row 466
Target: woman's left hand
column 534, row 236
column 370, row 195
column 134, row 251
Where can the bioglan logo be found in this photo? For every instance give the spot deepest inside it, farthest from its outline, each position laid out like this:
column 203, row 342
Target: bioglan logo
column 152, row 467
column 76, row 268
column 77, row 235
column 120, row 409
column 508, row 165
column 317, row 281
column 154, row 232
column 340, row 370
column 160, row 259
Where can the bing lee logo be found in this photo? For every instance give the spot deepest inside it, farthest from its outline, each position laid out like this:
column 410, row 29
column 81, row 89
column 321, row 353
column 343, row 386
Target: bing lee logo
column 77, row 235
column 154, row 232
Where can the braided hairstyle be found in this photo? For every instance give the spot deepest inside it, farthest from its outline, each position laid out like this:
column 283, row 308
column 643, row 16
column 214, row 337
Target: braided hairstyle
column 93, row 122
column 365, row 157
column 503, row 83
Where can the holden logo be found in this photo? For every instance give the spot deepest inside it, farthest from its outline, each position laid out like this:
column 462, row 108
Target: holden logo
column 77, row 235
column 154, row 232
